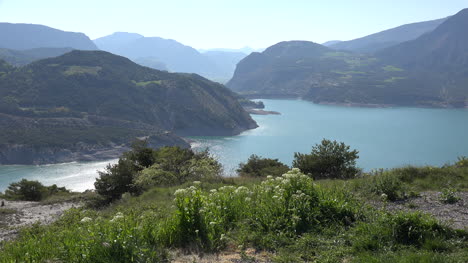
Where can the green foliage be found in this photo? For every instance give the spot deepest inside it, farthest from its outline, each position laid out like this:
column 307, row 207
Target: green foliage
column 400, row 229
column 462, row 162
column 278, row 208
column 31, row 191
column 143, row 168
column 386, row 184
column 449, row 196
column 261, row 167
column 86, row 237
column 327, row 160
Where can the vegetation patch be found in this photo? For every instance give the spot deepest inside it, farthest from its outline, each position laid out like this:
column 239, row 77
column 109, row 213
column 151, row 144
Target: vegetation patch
column 146, row 83
column 391, row 68
column 78, row 70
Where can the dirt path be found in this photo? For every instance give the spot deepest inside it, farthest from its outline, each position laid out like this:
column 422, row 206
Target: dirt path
column 16, row 214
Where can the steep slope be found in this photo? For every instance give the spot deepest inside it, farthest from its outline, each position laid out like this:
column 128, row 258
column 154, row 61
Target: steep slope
column 287, row 69
column 100, row 100
column 29, row 36
column 444, row 48
column 436, row 78
column 387, row 38
column 4, row 67
column 438, row 61
column 24, row 57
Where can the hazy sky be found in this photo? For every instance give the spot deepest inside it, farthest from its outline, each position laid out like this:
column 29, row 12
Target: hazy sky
column 228, row 23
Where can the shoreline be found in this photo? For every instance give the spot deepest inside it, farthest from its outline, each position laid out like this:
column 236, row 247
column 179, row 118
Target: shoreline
column 349, row 104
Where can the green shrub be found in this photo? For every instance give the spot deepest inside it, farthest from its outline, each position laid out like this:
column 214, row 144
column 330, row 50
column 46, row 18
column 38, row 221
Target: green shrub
column 462, row 161
column 403, row 228
column 386, row 184
column 175, row 166
column 328, row 160
column 32, row 191
column 261, row 167
column 449, row 196
column 143, row 168
column 277, row 209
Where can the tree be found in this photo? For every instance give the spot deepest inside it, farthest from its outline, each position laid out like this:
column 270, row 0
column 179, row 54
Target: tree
column 260, row 167
column 26, row 190
column 329, row 159
column 118, row 178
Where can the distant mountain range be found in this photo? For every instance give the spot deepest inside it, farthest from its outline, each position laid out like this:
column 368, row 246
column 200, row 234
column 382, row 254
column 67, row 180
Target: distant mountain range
column 88, row 105
column 24, row 57
column 387, row 38
column 175, row 56
column 29, row 36
column 430, row 70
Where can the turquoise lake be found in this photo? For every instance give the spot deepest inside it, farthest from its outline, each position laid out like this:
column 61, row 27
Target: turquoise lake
column 385, row 138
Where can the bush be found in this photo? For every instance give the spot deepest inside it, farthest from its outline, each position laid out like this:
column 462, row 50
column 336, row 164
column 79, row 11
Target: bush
column 175, row 166
column 327, row 160
column 278, row 209
column 31, row 191
column 462, row 161
column 143, row 168
column 261, row 167
column 387, row 184
column 403, row 228
column 449, row 196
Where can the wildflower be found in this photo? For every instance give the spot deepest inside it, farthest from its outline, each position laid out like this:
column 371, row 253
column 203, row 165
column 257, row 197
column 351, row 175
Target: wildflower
column 196, row 182
column 106, row 244
column 212, row 223
column 384, row 197
column 117, row 216
column 86, row 219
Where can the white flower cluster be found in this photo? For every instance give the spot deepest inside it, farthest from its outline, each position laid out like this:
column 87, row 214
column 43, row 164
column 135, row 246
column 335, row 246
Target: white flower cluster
column 117, row 217
column 86, row 219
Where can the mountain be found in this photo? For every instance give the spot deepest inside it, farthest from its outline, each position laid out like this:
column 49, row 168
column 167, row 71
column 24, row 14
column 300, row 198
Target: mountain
column 86, row 103
column 430, row 71
column 444, row 48
column 387, row 38
column 112, row 43
column 331, row 42
column 175, row 56
column 29, row 36
column 24, row 57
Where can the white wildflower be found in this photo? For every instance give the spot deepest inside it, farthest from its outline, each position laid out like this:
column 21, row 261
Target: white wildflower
column 86, row 219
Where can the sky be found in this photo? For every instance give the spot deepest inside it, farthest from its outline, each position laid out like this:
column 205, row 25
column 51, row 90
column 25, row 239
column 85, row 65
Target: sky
column 228, row 23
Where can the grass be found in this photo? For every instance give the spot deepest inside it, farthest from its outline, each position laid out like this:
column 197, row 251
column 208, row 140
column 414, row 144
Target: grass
column 292, row 217
column 393, row 79
column 146, row 83
column 392, row 68
column 77, row 70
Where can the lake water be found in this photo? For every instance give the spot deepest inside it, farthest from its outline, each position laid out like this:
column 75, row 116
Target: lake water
column 385, row 138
